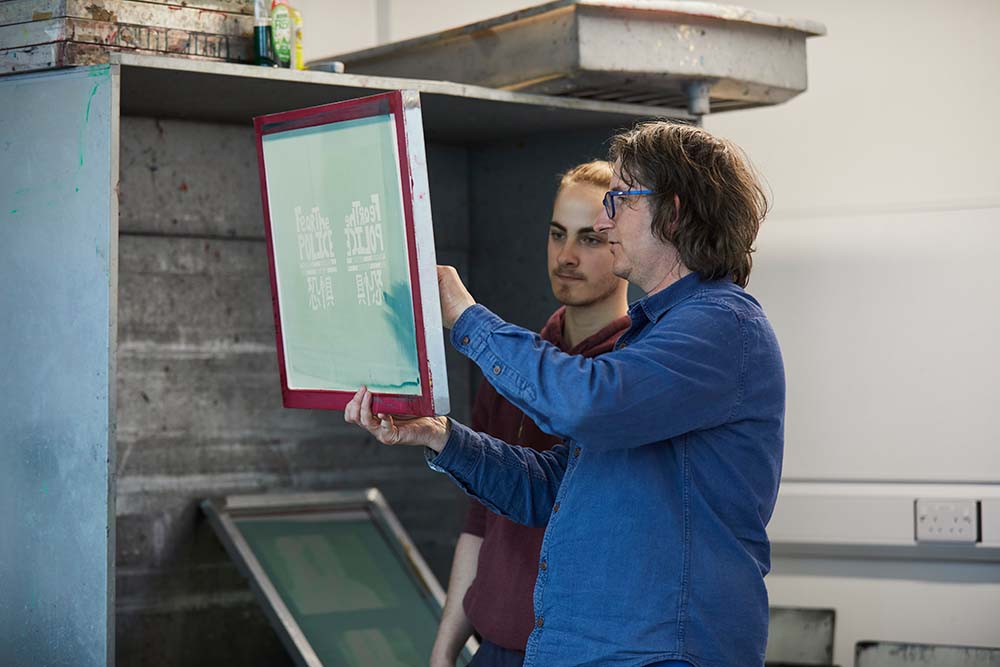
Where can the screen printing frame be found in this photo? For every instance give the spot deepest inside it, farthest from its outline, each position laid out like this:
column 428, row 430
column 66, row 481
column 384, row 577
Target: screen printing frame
column 404, row 108
column 222, row 515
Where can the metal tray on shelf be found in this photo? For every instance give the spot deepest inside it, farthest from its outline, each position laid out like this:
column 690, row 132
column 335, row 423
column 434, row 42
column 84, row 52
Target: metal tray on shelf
column 660, row 53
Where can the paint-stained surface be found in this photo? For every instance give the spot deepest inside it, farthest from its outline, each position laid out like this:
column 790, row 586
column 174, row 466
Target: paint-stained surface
column 898, row 654
column 42, row 34
column 800, row 636
column 58, row 241
column 199, row 397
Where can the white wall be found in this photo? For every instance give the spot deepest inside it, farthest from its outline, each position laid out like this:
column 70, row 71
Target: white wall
column 900, row 112
column 337, row 26
column 876, row 267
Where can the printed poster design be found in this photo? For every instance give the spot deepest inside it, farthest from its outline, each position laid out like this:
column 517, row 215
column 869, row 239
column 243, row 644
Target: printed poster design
column 340, row 254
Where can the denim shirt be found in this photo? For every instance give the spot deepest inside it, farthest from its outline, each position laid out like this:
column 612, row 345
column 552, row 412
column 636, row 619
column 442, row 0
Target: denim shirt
column 658, row 499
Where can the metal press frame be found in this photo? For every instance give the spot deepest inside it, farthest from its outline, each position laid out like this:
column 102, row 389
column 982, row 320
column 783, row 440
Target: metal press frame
column 221, row 515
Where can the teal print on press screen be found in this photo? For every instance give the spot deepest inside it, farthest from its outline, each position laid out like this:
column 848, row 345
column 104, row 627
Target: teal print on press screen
column 354, row 598
column 340, row 255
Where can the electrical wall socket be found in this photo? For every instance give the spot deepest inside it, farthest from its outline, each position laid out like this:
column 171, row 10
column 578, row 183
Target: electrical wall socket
column 941, row 520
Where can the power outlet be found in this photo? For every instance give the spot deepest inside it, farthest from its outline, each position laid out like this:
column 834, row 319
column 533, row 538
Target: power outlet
column 940, row 520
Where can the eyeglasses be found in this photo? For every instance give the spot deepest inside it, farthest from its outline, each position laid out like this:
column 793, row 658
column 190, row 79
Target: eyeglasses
column 609, row 199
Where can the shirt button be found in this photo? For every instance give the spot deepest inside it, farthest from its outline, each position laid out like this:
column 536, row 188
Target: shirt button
column 623, row 346
column 496, row 370
column 544, row 566
column 465, row 340
column 555, row 508
column 540, row 621
column 576, row 452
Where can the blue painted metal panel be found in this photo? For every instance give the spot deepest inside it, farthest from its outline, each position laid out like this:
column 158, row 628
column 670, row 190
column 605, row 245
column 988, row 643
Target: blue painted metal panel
column 58, row 239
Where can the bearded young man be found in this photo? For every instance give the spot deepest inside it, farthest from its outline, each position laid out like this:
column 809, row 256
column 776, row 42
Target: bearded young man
column 496, row 560
column 657, row 500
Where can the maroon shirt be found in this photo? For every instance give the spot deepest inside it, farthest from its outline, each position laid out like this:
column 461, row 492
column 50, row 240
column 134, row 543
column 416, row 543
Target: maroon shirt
column 499, row 601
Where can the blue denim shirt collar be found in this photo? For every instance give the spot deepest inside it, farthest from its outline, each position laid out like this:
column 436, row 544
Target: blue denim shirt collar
column 655, row 306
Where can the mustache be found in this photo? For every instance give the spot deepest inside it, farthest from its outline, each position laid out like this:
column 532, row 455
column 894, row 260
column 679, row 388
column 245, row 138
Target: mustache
column 569, row 274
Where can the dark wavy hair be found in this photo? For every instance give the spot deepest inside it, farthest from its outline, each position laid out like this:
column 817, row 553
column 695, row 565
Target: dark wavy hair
column 721, row 200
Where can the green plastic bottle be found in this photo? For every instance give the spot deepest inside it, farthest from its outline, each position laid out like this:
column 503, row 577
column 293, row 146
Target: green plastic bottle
column 281, row 33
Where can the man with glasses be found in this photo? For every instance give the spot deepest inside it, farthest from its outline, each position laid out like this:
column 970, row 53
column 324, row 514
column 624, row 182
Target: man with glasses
column 493, row 571
column 657, row 500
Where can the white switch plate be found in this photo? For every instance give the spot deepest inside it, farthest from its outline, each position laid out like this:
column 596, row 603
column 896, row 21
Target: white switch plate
column 941, row 520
